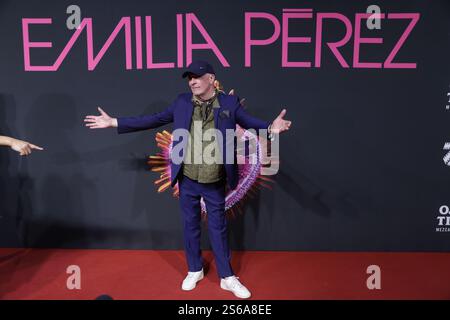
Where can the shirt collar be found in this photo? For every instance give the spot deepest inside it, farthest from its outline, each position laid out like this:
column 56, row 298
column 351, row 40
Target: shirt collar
column 214, row 100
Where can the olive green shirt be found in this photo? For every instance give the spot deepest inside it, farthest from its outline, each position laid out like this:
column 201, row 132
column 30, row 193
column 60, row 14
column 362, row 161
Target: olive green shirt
column 202, row 161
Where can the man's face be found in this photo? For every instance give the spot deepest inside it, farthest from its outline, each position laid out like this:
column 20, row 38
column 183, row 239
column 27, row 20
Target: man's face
column 201, row 85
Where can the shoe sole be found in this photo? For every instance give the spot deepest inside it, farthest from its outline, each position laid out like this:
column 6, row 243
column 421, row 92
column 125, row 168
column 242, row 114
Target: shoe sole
column 195, row 284
column 237, row 295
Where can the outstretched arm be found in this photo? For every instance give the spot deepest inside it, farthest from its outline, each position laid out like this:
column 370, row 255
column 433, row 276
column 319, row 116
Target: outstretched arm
column 23, row 147
column 130, row 124
column 248, row 122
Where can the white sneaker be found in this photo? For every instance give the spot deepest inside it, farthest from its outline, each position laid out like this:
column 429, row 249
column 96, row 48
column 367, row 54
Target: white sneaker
column 234, row 285
column 191, row 280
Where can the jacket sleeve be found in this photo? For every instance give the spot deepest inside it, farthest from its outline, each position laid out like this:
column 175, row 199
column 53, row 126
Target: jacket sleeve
column 151, row 121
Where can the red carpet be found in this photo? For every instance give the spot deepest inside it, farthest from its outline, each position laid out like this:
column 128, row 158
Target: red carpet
column 141, row 274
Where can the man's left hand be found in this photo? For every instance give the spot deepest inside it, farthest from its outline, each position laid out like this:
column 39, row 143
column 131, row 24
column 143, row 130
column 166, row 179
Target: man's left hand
column 279, row 124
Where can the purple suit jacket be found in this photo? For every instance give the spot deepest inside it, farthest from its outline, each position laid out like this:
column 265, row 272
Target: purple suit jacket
column 180, row 113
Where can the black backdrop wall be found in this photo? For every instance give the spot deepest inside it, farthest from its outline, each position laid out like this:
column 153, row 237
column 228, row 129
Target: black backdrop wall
column 362, row 167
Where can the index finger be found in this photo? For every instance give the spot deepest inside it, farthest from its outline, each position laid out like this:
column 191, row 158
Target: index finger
column 36, row 147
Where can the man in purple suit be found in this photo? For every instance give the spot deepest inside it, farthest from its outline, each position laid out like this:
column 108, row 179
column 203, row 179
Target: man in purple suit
column 193, row 113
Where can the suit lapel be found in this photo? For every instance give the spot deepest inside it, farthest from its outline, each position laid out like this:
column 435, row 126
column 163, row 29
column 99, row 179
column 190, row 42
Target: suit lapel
column 188, row 117
column 216, row 111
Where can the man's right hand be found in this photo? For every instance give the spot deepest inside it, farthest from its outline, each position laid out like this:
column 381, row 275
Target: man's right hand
column 100, row 122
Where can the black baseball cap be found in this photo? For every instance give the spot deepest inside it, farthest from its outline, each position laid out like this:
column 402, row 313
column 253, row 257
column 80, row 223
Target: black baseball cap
column 198, row 68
